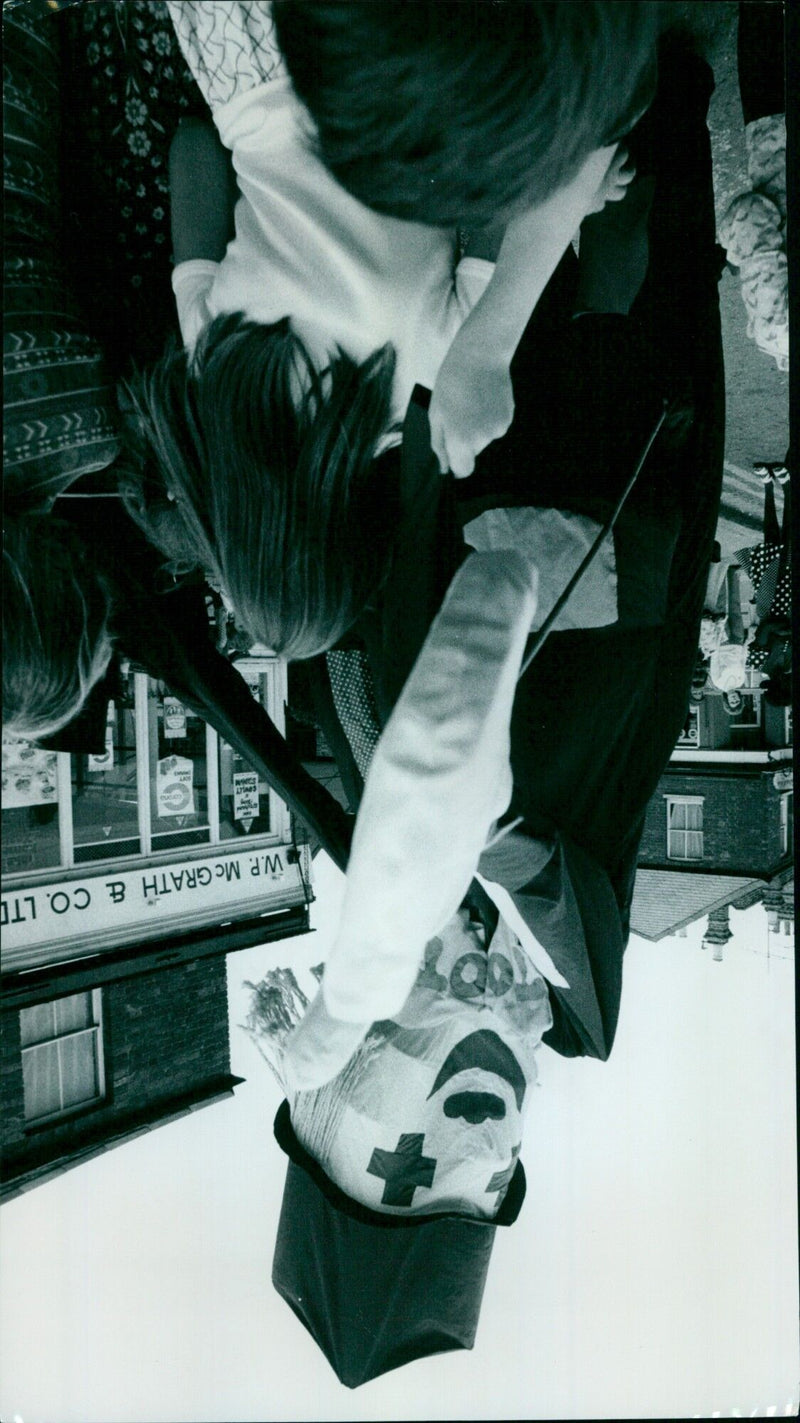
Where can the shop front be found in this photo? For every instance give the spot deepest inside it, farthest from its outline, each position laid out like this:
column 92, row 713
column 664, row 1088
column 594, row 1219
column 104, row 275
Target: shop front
column 166, row 831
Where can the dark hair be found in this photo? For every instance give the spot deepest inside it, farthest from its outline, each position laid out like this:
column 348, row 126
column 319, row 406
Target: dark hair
column 56, row 643
column 253, row 466
column 733, row 701
column 777, row 690
column 451, row 111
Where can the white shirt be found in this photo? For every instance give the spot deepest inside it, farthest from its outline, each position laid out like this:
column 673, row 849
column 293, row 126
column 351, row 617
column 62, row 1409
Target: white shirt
column 304, row 248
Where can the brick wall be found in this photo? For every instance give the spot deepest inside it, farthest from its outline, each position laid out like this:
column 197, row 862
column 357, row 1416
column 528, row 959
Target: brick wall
column 12, row 1126
column 165, row 1034
column 741, row 821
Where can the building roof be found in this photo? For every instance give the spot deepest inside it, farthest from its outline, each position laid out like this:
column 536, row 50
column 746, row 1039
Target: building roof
column 667, row 900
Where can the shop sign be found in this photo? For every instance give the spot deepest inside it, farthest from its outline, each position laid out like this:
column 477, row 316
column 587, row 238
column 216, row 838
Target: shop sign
column 174, row 718
column 133, row 899
column 29, row 775
column 245, row 797
column 104, row 762
column 783, row 780
column 175, row 786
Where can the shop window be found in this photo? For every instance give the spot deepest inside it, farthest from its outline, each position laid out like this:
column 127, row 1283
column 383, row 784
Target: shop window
column 163, row 784
column 178, row 753
column 62, row 1056
column 244, row 799
column 244, row 807
column 684, row 828
column 31, row 839
column 105, row 801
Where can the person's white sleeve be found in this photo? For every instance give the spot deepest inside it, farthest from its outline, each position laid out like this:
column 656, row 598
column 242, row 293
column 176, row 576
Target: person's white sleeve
column 440, row 777
column 191, row 282
column 229, row 45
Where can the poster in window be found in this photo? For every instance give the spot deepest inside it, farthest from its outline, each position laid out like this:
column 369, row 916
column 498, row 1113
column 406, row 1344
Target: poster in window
column 175, row 786
column 29, row 775
column 174, row 718
column 245, row 797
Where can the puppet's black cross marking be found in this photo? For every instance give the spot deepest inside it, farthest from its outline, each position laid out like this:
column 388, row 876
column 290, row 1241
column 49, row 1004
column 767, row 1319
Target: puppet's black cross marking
column 500, row 1180
column 403, row 1169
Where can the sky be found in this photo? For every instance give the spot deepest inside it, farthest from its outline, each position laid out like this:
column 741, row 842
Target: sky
column 652, row 1271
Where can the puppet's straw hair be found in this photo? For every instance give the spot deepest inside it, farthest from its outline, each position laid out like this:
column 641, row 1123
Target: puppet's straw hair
column 316, row 1115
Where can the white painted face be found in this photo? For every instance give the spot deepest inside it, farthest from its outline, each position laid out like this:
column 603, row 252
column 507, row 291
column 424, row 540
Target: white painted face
column 433, row 1120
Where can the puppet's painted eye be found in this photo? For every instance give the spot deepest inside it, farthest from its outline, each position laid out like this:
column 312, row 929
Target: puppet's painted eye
column 468, row 976
column 500, row 975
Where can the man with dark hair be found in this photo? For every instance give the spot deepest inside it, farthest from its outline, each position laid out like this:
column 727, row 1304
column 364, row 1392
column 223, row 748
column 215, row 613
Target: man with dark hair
column 453, row 113
column 409, row 1076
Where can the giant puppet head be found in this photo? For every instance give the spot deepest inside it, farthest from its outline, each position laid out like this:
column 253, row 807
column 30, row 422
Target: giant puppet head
column 403, row 1165
column 427, row 1114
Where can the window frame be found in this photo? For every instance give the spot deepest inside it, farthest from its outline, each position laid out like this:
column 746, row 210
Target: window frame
column 672, row 803
column 95, row 1031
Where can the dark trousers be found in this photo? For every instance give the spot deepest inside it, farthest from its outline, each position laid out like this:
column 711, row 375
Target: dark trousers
column 760, row 56
column 599, row 711
column 777, row 531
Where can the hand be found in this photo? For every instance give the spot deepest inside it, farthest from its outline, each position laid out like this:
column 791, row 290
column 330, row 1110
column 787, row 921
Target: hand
column 472, row 404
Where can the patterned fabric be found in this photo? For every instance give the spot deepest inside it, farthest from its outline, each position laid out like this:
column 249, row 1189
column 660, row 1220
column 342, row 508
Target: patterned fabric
column 129, row 88
column 773, row 592
column 765, row 142
column 37, row 8
column 753, row 235
column 753, row 232
column 60, row 412
column 229, row 45
column 763, row 567
column 354, row 699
